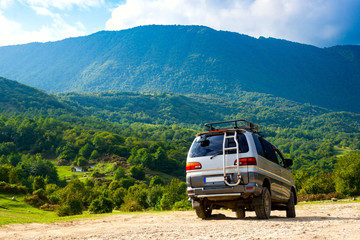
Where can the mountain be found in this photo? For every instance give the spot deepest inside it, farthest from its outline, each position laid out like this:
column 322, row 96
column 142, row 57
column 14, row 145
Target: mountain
column 189, row 59
column 18, row 97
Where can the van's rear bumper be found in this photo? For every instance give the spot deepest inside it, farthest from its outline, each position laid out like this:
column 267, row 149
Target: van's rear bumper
column 224, row 191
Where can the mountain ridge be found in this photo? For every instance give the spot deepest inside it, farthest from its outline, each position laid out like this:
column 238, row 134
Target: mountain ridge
column 189, row 59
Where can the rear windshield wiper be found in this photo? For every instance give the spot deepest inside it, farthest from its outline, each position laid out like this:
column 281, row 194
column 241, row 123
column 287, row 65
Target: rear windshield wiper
column 216, row 154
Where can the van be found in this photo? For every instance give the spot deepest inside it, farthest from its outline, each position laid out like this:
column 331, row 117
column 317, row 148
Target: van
column 232, row 166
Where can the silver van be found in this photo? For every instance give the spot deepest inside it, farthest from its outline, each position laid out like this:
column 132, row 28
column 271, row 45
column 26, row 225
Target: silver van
column 231, row 166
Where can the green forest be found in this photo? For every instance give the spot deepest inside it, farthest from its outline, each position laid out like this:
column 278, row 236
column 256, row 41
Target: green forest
column 132, row 146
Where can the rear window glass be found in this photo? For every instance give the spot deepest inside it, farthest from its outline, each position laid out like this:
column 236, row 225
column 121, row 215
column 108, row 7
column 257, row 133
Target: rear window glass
column 213, row 145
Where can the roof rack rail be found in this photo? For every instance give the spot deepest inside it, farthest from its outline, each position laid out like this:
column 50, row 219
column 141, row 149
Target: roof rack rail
column 237, row 124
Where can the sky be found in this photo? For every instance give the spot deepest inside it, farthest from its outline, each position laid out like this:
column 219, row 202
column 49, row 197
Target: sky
column 322, row 23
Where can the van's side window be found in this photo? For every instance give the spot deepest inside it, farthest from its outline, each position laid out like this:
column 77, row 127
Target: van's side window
column 259, row 148
column 269, row 151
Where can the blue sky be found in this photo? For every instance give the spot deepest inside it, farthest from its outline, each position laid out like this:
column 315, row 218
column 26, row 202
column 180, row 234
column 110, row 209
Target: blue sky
column 322, row 23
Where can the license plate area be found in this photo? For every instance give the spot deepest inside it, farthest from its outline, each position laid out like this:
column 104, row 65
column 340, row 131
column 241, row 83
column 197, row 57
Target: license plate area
column 214, row 179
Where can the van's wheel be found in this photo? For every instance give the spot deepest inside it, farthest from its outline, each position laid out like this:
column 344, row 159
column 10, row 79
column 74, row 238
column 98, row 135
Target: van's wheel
column 240, row 213
column 263, row 205
column 290, row 207
column 204, row 210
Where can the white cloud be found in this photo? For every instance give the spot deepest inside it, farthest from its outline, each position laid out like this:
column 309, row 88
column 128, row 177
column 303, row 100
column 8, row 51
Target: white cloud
column 63, row 4
column 54, row 28
column 307, row 21
column 5, row 3
column 12, row 33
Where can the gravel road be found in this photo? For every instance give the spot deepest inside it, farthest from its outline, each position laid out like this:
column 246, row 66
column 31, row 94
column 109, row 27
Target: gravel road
column 313, row 221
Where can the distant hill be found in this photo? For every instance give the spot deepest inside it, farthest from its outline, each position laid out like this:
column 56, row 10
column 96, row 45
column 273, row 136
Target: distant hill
column 18, row 97
column 189, row 59
column 195, row 110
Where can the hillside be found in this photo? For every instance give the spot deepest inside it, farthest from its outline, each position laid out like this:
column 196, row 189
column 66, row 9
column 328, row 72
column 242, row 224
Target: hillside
column 15, row 96
column 190, row 59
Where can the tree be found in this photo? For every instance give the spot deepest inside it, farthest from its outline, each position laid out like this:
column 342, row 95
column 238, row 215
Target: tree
column 119, row 173
column 156, row 180
column 137, row 172
column 347, row 174
column 101, row 205
column 39, row 183
column 13, row 176
column 86, row 150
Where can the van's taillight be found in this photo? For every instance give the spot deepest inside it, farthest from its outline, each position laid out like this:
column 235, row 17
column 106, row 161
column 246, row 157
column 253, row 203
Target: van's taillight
column 193, row 166
column 246, row 161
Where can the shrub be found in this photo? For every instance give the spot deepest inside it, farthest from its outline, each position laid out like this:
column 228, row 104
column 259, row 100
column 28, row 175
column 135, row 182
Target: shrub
column 12, row 188
column 49, row 207
column 166, row 202
column 126, row 182
column 154, row 195
column 39, row 183
column 101, row 205
column 37, row 199
column 182, row 205
column 131, row 206
column 156, row 180
column 137, row 172
column 118, row 197
column 347, row 174
column 71, row 207
column 119, row 173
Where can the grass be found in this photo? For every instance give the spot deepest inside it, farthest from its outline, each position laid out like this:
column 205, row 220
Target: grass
column 330, row 201
column 20, row 212
column 66, row 173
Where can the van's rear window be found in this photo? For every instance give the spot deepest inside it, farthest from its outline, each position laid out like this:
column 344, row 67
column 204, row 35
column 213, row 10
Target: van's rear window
column 213, row 145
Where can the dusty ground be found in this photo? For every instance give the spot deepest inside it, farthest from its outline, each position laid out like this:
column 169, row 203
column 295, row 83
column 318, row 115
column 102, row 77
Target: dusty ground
column 317, row 221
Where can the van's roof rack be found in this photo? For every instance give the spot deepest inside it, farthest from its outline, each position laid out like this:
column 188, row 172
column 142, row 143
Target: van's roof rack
column 236, row 124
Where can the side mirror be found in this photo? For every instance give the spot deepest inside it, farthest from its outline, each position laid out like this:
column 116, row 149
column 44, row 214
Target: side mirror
column 288, row 163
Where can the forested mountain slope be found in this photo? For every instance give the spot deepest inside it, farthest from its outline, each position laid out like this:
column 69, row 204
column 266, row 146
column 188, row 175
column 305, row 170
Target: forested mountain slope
column 189, row 59
column 152, row 132
column 15, row 96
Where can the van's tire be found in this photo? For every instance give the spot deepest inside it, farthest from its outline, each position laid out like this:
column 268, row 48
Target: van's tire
column 290, row 207
column 240, row 213
column 204, row 210
column 263, row 204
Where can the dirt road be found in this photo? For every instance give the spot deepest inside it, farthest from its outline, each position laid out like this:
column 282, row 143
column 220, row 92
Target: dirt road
column 317, row 221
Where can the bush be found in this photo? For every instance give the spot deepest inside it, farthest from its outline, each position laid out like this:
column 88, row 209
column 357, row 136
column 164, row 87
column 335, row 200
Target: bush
column 119, row 173
column 156, row 180
column 347, row 174
column 71, row 207
column 137, row 172
column 166, row 202
column 81, row 161
column 154, row 195
column 126, row 183
column 12, row 188
column 37, row 199
column 101, row 205
column 39, row 183
column 182, row 205
column 49, row 207
column 131, row 206
column 118, row 197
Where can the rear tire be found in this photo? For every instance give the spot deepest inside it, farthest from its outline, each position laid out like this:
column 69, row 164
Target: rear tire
column 263, row 205
column 204, row 210
column 290, row 207
column 240, row 213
